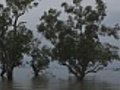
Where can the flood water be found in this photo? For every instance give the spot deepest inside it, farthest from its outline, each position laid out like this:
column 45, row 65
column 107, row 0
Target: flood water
column 57, row 78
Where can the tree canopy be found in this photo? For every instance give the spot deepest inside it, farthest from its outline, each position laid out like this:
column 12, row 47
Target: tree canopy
column 76, row 41
column 15, row 38
column 76, row 38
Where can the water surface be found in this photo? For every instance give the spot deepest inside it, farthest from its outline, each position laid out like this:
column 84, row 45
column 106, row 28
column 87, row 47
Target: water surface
column 57, row 78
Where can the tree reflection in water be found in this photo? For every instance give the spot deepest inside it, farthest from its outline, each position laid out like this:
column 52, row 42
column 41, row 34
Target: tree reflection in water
column 39, row 82
column 24, row 80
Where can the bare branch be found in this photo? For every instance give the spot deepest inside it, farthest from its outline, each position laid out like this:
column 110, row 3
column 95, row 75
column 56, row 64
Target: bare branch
column 94, row 69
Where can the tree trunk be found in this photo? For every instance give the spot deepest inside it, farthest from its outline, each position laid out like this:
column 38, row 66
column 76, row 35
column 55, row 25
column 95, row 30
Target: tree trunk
column 3, row 71
column 9, row 72
column 36, row 71
column 10, row 75
column 82, row 75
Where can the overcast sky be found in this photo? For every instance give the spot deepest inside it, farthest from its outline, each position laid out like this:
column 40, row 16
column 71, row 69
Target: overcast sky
column 32, row 17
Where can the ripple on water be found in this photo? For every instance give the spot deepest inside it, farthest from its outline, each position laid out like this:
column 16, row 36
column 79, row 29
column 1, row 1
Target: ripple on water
column 59, row 79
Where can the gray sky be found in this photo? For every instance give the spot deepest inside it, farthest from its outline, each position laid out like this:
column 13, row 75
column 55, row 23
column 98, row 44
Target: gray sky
column 32, row 17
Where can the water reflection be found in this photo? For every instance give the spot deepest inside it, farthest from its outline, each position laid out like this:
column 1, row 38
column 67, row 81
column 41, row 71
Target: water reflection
column 23, row 80
column 84, row 85
column 7, row 85
column 39, row 82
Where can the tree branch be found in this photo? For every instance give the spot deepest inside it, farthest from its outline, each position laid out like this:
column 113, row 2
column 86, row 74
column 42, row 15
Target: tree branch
column 71, row 70
column 94, row 69
column 16, row 20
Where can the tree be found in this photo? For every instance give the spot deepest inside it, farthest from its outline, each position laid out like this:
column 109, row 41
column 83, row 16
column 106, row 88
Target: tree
column 40, row 57
column 15, row 37
column 77, row 40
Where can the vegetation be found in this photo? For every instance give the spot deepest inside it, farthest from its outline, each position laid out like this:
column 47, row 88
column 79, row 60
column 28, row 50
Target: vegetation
column 77, row 40
column 40, row 57
column 15, row 38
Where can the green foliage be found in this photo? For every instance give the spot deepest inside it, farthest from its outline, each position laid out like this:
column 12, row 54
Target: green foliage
column 76, row 40
column 15, row 37
column 21, row 5
column 40, row 57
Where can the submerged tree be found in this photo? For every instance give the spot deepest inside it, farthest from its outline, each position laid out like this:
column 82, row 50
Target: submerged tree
column 77, row 40
column 40, row 57
column 15, row 37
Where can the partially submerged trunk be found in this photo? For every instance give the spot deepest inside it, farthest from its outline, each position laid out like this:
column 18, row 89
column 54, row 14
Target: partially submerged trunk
column 3, row 71
column 36, row 71
column 79, row 73
column 10, row 75
column 81, row 77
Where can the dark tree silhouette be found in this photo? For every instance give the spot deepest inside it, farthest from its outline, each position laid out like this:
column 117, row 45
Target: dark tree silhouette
column 40, row 57
column 77, row 43
column 15, row 37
